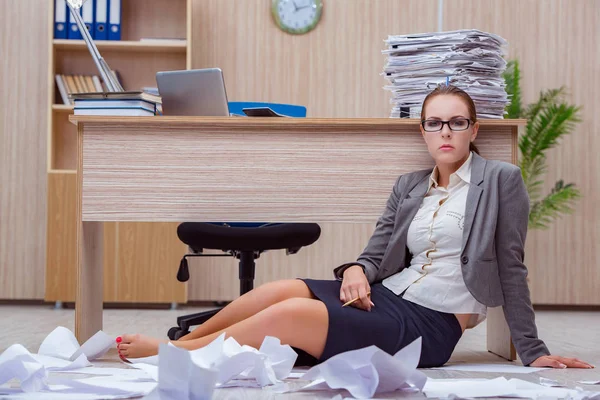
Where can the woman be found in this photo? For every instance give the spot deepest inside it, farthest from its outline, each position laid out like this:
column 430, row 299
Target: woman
column 448, row 245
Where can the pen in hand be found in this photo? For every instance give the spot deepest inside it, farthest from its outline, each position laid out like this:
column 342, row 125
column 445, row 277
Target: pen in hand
column 355, row 299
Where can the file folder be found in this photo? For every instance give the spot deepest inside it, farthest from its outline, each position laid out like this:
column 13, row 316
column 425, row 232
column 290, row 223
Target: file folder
column 87, row 12
column 100, row 31
column 61, row 19
column 114, row 20
column 73, row 28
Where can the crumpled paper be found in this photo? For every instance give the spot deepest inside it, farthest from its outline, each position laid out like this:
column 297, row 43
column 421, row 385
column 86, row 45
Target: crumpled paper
column 224, row 362
column 17, row 363
column 368, row 371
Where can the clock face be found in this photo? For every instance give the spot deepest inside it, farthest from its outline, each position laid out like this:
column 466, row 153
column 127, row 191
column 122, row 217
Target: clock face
column 297, row 16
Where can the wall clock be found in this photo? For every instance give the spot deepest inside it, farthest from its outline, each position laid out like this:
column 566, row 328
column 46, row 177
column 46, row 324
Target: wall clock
column 297, row 16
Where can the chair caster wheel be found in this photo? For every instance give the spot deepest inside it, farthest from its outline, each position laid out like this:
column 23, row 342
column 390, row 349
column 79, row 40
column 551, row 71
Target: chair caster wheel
column 175, row 333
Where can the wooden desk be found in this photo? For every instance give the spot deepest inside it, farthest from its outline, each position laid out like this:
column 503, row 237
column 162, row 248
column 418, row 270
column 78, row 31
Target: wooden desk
column 246, row 169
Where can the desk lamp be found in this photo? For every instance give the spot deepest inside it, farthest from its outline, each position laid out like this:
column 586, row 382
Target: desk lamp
column 112, row 84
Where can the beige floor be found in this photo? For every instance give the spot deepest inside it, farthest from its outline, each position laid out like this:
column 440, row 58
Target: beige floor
column 568, row 333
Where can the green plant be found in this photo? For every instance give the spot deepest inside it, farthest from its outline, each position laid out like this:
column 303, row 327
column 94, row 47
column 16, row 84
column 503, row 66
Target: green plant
column 548, row 119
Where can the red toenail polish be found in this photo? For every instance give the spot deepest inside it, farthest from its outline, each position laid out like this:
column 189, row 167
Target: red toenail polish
column 119, row 339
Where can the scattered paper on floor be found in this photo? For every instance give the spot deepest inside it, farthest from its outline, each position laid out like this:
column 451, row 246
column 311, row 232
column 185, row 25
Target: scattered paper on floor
column 368, row 371
column 494, row 368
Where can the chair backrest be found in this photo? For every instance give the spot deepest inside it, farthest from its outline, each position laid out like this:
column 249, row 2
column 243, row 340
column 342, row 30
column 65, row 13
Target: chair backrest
column 291, row 110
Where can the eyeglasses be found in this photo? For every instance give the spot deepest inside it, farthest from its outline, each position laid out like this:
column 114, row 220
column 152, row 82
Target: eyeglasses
column 436, row 125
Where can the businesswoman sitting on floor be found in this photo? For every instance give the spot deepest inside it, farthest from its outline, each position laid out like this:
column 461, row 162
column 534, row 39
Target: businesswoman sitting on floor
column 448, row 245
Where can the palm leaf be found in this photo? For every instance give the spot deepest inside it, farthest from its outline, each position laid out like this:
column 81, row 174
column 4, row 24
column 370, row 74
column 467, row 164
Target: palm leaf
column 550, row 124
column 551, row 96
column 531, row 172
column 557, row 202
column 549, row 118
column 512, row 78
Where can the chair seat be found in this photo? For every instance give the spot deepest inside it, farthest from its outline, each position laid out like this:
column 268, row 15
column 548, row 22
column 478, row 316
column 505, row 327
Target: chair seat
column 200, row 235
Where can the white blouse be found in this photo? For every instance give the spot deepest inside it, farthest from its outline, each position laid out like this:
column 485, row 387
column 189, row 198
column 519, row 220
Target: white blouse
column 434, row 278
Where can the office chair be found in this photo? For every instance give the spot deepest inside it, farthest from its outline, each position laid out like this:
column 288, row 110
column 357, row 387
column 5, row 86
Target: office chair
column 244, row 241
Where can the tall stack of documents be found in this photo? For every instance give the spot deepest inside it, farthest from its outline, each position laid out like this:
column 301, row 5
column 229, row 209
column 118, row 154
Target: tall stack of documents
column 469, row 59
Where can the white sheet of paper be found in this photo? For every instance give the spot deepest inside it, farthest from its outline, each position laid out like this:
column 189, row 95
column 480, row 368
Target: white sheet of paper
column 268, row 365
column 499, row 387
column 467, row 388
column 280, row 357
column 59, row 364
column 150, row 370
column 16, row 362
column 96, row 346
column 181, row 378
column 550, row 382
column 132, row 374
column 152, row 360
column 108, row 385
column 59, row 395
column 533, row 390
column 497, row 368
column 369, row 370
column 61, row 343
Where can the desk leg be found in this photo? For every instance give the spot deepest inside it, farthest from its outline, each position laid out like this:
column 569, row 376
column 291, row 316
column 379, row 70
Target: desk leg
column 499, row 341
column 88, row 304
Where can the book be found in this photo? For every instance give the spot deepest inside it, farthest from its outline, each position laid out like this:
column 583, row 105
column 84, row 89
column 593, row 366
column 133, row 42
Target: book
column 120, row 112
column 129, row 95
column 93, row 103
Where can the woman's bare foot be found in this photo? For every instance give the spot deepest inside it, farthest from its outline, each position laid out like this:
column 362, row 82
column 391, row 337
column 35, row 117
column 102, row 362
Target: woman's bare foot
column 136, row 346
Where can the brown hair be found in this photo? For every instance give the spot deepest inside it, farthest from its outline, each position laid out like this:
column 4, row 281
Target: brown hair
column 444, row 89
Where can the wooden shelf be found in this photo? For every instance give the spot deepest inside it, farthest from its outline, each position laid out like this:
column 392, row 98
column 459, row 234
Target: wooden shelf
column 168, row 46
column 131, row 250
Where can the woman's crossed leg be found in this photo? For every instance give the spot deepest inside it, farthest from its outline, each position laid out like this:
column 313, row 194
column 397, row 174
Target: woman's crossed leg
column 283, row 309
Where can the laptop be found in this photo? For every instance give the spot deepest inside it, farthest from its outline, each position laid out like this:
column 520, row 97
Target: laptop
column 196, row 92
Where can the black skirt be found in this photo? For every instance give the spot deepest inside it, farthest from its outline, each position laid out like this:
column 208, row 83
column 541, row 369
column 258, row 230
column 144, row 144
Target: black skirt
column 391, row 324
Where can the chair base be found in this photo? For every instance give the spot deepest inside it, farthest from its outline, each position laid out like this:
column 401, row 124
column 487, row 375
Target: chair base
column 185, row 322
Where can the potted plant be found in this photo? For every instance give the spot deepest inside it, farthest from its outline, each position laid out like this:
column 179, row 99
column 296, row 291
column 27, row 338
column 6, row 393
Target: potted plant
column 548, row 119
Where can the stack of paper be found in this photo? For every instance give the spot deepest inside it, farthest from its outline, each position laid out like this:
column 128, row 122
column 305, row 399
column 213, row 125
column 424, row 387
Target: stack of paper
column 469, row 59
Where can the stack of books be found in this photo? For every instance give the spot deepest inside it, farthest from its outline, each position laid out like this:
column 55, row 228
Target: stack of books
column 135, row 104
column 469, row 59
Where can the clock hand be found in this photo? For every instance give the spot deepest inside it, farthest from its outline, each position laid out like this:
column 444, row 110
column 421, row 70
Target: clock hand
column 295, row 6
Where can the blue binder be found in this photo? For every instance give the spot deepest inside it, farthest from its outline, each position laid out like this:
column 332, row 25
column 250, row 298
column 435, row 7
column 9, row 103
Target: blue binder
column 114, row 20
column 87, row 12
column 61, row 19
column 74, row 29
column 100, row 31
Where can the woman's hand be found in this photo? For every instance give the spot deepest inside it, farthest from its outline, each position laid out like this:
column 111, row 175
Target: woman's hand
column 559, row 362
column 355, row 284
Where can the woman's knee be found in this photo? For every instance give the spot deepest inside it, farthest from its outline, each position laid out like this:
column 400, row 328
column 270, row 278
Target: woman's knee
column 285, row 289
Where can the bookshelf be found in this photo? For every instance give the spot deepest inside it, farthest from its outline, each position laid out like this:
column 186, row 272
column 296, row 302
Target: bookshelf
column 156, row 36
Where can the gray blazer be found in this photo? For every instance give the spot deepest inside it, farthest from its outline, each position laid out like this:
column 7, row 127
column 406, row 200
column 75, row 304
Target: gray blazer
column 492, row 254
